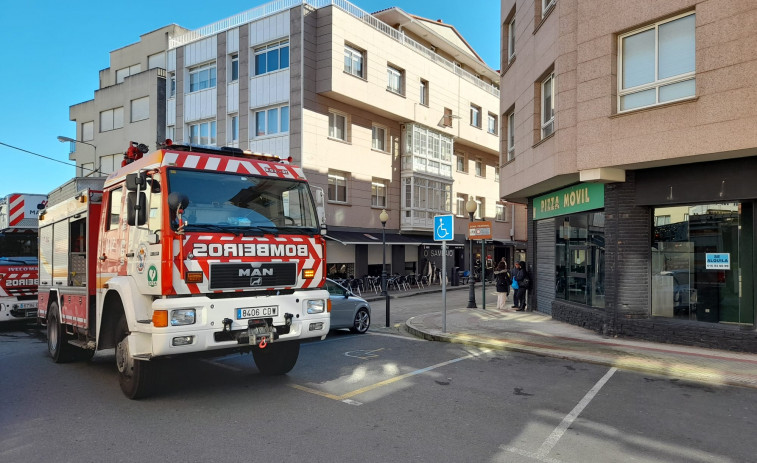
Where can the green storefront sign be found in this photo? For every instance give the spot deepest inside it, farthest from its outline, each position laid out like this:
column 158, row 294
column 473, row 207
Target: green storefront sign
column 577, row 198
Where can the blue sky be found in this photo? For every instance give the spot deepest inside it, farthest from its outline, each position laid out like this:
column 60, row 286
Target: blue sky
column 52, row 52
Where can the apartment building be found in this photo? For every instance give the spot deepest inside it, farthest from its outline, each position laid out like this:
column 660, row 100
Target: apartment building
column 383, row 111
column 631, row 135
column 129, row 105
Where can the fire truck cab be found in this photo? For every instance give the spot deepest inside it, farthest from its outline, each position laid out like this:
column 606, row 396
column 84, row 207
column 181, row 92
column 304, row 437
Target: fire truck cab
column 187, row 250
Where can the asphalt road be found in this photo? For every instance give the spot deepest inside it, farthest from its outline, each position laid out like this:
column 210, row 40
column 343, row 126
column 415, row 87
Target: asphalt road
column 377, row 397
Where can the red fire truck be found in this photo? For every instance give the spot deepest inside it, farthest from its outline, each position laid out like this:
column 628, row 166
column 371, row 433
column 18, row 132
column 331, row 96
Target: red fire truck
column 18, row 255
column 185, row 250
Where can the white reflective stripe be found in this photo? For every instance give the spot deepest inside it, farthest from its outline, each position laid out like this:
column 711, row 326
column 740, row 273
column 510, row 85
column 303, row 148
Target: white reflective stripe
column 191, row 161
column 213, row 163
column 170, row 158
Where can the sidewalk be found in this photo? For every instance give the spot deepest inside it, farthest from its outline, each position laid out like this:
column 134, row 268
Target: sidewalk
column 537, row 333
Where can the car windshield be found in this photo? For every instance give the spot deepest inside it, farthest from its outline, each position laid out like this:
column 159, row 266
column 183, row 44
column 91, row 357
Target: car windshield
column 244, row 204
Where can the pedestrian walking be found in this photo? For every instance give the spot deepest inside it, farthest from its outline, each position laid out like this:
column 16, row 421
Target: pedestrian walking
column 521, row 281
column 503, row 279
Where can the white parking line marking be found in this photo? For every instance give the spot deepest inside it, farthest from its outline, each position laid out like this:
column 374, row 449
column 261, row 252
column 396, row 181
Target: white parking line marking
column 553, row 438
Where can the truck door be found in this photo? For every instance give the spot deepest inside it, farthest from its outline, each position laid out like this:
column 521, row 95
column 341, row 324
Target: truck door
column 145, row 239
column 112, row 249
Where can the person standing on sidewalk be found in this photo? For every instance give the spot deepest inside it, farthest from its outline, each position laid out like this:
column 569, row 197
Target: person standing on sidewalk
column 502, row 276
column 522, row 281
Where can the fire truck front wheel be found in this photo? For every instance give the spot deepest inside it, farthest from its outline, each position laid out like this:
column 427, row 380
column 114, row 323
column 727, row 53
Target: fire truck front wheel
column 277, row 358
column 136, row 377
column 60, row 350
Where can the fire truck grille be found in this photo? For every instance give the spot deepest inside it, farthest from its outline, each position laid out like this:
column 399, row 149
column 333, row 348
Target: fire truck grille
column 252, row 275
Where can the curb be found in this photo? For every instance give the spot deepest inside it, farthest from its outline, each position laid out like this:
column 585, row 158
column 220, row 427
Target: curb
column 629, row 362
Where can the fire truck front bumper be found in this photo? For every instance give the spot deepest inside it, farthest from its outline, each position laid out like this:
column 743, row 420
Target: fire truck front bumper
column 17, row 310
column 200, row 324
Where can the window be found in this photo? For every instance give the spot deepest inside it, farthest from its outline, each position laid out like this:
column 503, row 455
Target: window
column 657, row 64
column 480, row 168
column 271, row 121
column 447, row 119
column 123, row 73
column 337, row 186
column 511, row 40
column 158, row 60
column 202, row 77
column 272, row 57
column 460, row 163
column 337, row 126
column 546, row 6
column 661, row 220
column 203, row 133
column 170, row 132
column 234, row 128
column 424, row 92
column 353, row 61
column 379, row 138
column 480, row 204
column 88, row 131
column 378, row 193
column 394, row 79
column 140, row 109
column 548, row 106
column 171, row 82
column 496, row 174
column 460, row 201
column 234, row 68
column 475, row 116
column 114, row 211
column 501, row 213
column 491, row 125
column 111, row 119
column 511, row 136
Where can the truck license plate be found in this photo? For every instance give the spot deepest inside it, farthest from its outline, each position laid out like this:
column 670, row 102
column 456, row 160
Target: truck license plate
column 257, row 312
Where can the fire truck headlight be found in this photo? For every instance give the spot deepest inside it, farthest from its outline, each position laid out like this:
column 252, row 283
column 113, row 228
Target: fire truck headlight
column 181, row 317
column 316, row 306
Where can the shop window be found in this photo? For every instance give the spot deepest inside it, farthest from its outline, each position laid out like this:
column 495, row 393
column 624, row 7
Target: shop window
column 580, row 258
column 697, row 256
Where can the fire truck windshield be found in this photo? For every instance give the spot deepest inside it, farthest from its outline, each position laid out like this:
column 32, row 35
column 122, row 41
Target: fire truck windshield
column 240, row 202
column 18, row 245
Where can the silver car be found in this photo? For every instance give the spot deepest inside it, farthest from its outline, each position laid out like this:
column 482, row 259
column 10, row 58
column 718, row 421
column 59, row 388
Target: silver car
column 347, row 309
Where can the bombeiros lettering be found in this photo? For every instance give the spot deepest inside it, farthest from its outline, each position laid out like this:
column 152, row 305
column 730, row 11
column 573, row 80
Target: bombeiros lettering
column 249, row 250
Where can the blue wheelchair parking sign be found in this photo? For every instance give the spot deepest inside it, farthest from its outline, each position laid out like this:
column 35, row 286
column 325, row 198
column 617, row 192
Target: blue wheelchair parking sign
column 444, row 229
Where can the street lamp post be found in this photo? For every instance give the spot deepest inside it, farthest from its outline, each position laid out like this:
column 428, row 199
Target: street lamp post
column 383, row 217
column 470, row 206
column 63, row 139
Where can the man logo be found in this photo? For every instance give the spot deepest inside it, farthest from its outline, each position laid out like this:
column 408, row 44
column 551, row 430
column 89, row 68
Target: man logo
column 256, row 281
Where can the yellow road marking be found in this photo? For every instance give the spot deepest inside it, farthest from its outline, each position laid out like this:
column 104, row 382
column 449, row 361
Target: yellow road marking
column 381, row 383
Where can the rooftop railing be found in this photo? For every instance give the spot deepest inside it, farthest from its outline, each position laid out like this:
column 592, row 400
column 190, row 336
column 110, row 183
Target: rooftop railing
column 278, row 6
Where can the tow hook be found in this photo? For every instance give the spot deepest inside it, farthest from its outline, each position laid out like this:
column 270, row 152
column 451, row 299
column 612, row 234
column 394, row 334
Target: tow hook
column 263, row 343
column 227, row 324
column 288, row 319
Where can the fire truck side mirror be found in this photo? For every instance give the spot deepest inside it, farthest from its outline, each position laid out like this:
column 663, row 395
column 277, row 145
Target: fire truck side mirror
column 135, row 180
column 136, row 214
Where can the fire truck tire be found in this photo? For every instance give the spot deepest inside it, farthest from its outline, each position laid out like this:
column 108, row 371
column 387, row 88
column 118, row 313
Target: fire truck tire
column 136, row 377
column 276, row 358
column 60, row 350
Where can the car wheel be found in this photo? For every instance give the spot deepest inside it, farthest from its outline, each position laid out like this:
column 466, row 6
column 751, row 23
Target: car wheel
column 362, row 321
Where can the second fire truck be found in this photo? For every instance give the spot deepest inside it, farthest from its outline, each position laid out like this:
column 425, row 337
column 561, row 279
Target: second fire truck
column 185, row 250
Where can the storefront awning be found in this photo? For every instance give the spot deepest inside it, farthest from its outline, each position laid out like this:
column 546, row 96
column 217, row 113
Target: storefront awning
column 345, row 237
column 515, row 244
column 450, row 244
